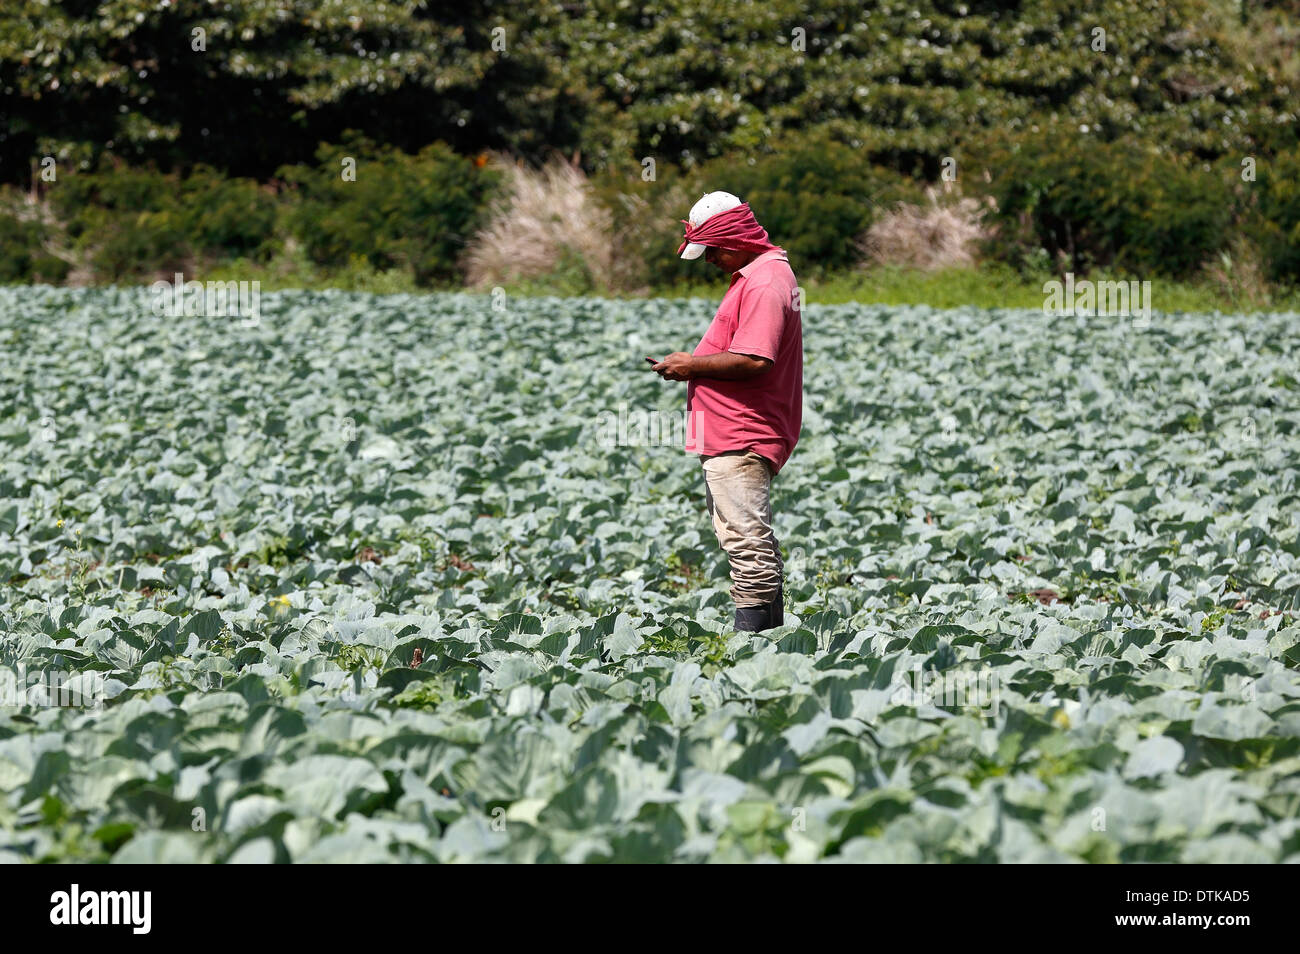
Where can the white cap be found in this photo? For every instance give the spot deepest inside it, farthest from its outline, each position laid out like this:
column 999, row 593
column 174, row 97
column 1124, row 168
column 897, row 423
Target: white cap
column 702, row 211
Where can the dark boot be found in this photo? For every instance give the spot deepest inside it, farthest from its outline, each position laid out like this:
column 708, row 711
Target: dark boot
column 751, row 619
column 756, row 619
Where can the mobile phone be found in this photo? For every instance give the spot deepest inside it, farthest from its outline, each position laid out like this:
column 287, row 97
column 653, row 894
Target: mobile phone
column 652, row 360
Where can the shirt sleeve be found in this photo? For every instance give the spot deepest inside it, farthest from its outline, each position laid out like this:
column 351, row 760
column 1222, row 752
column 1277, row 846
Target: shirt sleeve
column 761, row 321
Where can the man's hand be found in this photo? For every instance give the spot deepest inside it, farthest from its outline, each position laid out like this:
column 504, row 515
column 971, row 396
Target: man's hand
column 675, row 367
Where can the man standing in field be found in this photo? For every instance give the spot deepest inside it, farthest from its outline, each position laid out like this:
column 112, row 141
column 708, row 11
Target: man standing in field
column 744, row 400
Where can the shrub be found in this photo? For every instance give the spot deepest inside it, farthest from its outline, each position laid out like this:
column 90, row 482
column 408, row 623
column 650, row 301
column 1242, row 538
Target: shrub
column 546, row 223
column 411, row 211
column 1105, row 204
column 227, row 217
column 135, row 221
column 22, row 252
column 1239, row 276
column 1278, row 221
column 127, row 218
column 939, row 234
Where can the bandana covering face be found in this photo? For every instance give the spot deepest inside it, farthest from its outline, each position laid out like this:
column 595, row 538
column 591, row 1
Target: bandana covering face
column 735, row 229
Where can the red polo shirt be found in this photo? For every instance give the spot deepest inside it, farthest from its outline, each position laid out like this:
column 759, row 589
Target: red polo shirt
column 758, row 316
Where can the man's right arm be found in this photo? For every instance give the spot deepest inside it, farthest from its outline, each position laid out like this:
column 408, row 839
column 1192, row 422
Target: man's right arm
column 724, row 366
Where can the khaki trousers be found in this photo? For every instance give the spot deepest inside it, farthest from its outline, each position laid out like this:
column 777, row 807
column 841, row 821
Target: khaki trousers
column 737, row 490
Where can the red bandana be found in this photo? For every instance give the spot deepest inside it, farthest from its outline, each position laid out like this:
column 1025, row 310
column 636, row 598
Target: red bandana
column 735, row 229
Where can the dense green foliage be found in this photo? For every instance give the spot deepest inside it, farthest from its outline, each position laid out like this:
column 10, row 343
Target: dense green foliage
column 1110, row 204
column 134, row 221
column 22, row 252
column 246, row 85
column 1278, row 223
column 682, row 80
column 249, row 530
column 1119, row 207
column 397, row 210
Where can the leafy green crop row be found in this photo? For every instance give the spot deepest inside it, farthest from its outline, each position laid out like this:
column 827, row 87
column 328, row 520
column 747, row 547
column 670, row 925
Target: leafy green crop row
column 364, row 581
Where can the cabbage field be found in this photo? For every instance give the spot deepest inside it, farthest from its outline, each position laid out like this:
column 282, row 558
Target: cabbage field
column 423, row 578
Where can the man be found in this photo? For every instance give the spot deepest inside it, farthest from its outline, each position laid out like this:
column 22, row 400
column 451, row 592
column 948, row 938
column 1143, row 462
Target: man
column 744, row 399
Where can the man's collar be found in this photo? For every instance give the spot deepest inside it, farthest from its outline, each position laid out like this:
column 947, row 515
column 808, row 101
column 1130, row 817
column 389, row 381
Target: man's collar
column 771, row 253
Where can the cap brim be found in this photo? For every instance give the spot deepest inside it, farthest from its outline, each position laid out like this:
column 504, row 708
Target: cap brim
column 693, row 251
